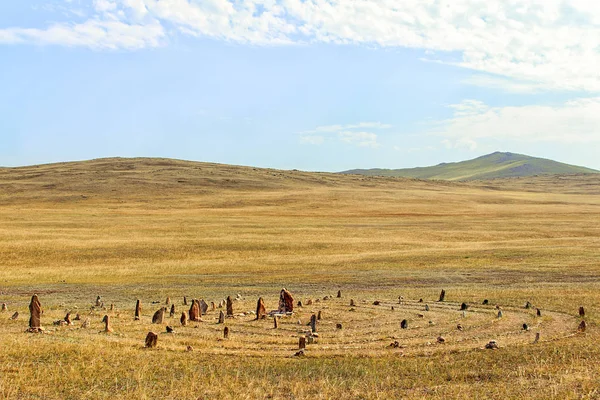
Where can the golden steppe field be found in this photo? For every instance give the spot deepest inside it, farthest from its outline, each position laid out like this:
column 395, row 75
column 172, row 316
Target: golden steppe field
column 148, row 229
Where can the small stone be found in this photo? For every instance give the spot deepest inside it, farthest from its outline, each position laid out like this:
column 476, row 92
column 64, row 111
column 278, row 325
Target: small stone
column 299, row 353
column 189, row 348
column 491, row 345
column 319, row 315
column 528, row 305
column 420, row 300
column 170, row 329
column 582, row 327
column 300, row 303
column 376, row 303
column 525, row 327
column 485, row 302
column 338, row 326
column 441, row 339
column 426, row 307
column 459, row 327
column 463, row 306
column 538, row 312
column 275, row 322
column 537, row 338
column 15, row 316
column 185, row 301
column 309, row 302
column 4, row 307
column 395, row 344
column 168, row 301
column 138, row 310
column 500, row 314
column 581, row 312
column 313, row 323
column 404, row 324
column 352, row 304
column 85, row 324
column 172, row 313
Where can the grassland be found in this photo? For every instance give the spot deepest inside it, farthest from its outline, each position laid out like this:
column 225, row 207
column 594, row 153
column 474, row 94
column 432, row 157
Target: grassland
column 491, row 166
column 150, row 228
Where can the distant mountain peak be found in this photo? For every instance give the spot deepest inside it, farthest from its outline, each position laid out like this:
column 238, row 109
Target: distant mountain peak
column 490, row 166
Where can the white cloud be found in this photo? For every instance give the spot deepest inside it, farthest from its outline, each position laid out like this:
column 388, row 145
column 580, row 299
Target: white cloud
column 361, row 139
column 348, row 134
column 576, row 121
column 530, row 45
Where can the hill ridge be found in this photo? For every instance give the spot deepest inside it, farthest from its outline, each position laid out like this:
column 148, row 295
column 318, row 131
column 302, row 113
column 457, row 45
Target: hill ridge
column 490, row 166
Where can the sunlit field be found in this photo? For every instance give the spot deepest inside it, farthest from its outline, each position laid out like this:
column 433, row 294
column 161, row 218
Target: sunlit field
column 148, row 229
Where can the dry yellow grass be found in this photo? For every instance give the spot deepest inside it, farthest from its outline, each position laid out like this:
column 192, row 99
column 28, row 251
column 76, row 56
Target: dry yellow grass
column 151, row 228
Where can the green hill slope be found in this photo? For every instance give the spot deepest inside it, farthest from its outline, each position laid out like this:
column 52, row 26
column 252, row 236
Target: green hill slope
column 491, row 166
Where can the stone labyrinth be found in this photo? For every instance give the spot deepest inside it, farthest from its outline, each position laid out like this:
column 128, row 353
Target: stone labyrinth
column 342, row 325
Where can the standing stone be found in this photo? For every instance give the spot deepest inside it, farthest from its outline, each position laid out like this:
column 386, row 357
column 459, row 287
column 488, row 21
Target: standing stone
column 313, row 323
column 463, row 306
column 338, row 326
column 35, row 311
column 68, row 319
column 98, row 302
column 4, row 307
column 183, row 319
column 261, row 311
column 537, row 337
column 168, row 301
column 499, row 313
column 172, row 313
column 213, row 307
column 538, row 312
column 485, row 302
column 319, row 315
column 195, row 315
column 229, row 307
column 275, row 322
column 528, row 305
column 138, row 310
column 159, row 316
column 286, row 301
column 309, row 302
column 426, row 307
column 77, row 317
column 220, row 304
column 221, row 317
column 107, row 327
column 203, row 306
column 302, row 342
column 151, row 340
column 582, row 326
column 185, row 301
column 300, row 303
column 15, row 316
column 112, row 307
column 226, row 333
column 581, row 312
column 352, row 303
column 170, row 329
column 339, row 295
column 442, row 295
column 525, row 327
column 404, row 324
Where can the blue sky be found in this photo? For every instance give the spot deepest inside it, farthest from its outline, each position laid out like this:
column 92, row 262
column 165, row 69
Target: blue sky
column 307, row 84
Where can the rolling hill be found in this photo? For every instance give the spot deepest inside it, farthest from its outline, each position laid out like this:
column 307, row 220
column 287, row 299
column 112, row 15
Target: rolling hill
column 491, row 166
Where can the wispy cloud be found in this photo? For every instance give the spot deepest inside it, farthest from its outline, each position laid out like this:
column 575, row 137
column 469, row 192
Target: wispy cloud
column 529, row 44
column 353, row 134
column 575, row 121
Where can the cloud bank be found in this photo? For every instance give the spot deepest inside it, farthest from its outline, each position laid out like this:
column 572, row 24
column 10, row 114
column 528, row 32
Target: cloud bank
column 537, row 44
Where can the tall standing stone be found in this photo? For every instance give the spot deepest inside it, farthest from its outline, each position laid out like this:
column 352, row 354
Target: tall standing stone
column 98, row 301
column 313, row 323
column 261, row 311
column 35, row 311
column 581, row 312
column 339, row 295
column 404, row 324
column 226, row 333
column 68, row 319
column 183, row 319
column 185, row 301
column 302, row 342
column 195, row 314
column 319, row 315
column 275, row 322
column 352, row 303
column 213, row 307
column 203, row 306
column 221, row 317
column 286, row 301
column 442, row 295
column 582, row 326
column 138, row 310
column 172, row 313
column 106, row 321
column 229, row 307
column 159, row 316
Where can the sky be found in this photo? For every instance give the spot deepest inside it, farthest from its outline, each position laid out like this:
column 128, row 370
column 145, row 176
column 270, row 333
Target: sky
column 317, row 85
